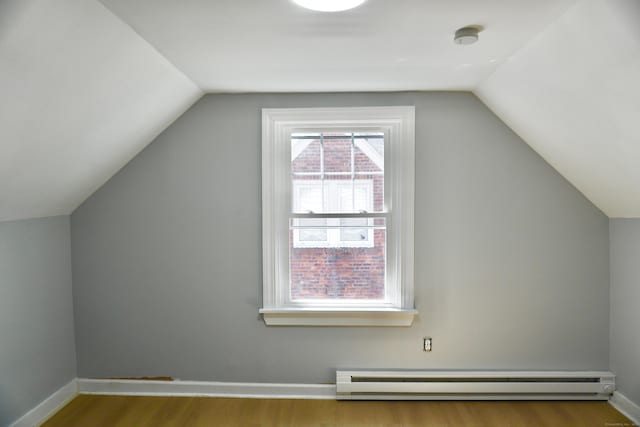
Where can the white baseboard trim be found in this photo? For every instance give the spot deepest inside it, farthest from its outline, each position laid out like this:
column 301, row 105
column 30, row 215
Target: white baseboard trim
column 205, row 388
column 49, row 406
column 626, row 406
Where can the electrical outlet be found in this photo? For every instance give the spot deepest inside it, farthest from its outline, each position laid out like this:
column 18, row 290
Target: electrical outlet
column 426, row 344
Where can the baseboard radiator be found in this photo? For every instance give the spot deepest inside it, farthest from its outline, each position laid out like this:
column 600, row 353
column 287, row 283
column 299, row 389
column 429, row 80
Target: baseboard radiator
column 474, row 385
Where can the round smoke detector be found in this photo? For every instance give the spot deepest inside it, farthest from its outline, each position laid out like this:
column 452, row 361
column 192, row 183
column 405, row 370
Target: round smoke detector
column 466, row 35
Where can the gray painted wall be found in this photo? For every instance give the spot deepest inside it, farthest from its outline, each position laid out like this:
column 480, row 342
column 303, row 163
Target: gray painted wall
column 37, row 350
column 511, row 261
column 625, row 313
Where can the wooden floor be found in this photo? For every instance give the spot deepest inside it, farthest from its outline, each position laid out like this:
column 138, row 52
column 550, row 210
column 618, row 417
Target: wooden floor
column 94, row 411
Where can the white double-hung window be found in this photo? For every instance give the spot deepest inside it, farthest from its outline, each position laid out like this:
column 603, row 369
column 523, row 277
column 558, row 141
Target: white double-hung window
column 337, row 216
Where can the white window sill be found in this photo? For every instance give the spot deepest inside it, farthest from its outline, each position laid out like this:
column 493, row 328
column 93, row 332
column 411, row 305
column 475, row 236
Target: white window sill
column 338, row 317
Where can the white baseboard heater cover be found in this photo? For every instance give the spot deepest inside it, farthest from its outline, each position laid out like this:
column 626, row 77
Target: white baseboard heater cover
column 474, row 385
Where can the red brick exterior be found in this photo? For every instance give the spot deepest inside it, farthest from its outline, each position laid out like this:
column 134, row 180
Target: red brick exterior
column 339, row 272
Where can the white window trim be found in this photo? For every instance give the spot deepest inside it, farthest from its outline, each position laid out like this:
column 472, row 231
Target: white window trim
column 398, row 123
column 333, row 235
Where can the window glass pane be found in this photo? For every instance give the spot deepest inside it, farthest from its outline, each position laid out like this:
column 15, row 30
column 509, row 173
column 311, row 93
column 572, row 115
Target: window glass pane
column 337, row 155
column 340, row 273
column 307, row 197
column 369, row 166
column 350, row 232
column 354, row 196
column 369, row 153
column 315, row 232
column 305, row 156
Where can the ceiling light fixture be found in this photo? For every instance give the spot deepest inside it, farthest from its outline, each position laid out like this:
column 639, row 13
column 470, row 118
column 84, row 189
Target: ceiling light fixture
column 329, row 5
column 467, row 35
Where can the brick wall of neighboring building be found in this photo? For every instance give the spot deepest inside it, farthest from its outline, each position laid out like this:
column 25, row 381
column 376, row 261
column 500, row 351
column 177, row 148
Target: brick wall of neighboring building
column 341, row 273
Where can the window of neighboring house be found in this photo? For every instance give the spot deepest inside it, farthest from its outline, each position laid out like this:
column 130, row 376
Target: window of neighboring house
column 338, row 216
column 342, row 195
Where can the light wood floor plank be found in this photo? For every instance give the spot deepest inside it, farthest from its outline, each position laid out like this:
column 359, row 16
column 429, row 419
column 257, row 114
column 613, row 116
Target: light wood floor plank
column 134, row 411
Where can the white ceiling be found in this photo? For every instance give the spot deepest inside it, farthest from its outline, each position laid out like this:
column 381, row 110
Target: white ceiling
column 573, row 93
column 82, row 93
column 275, row 45
column 86, row 85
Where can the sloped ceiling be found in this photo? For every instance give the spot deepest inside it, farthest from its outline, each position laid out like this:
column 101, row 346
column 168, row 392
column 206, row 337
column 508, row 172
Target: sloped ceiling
column 81, row 94
column 573, row 93
column 86, row 85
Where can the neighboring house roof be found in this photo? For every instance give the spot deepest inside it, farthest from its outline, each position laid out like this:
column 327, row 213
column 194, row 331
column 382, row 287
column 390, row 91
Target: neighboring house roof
column 85, row 87
column 365, row 146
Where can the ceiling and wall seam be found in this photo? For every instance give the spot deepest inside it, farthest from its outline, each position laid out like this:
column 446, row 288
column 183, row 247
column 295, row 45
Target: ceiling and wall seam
column 544, row 158
column 176, row 117
column 115, row 172
column 173, row 64
column 523, row 46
